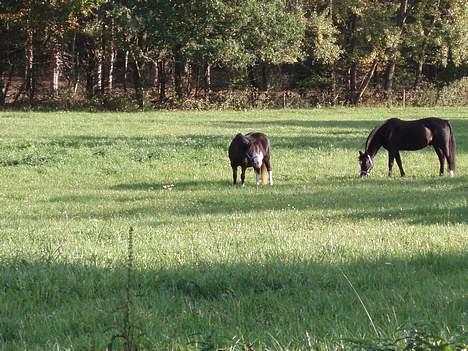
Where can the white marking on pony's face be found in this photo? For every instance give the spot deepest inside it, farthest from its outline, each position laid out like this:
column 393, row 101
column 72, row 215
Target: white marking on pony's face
column 257, row 160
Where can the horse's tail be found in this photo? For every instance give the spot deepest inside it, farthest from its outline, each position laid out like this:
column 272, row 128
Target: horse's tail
column 452, row 147
column 264, row 173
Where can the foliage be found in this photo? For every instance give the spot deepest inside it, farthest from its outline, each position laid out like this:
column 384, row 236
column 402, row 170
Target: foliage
column 453, row 94
column 92, row 42
column 323, row 41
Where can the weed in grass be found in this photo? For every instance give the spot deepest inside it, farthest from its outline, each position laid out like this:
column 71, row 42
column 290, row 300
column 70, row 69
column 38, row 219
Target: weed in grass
column 129, row 332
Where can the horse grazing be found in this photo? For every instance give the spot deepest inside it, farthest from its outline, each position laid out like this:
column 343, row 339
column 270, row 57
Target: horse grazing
column 395, row 135
column 251, row 150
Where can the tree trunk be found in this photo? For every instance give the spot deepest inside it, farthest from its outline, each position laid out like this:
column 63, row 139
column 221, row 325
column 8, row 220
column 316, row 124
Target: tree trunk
column 29, row 65
column 333, row 87
column 91, row 74
column 418, row 74
column 352, row 83
column 162, row 80
column 137, row 82
column 56, row 63
column 110, row 72
column 207, row 79
column 390, row 69
column 2, row 88
column 75, row 71
column 111, row 60
column 188, row 72
column 388, row 83
column 251, row 77
column 264, row 77
column 4, row 81
column 99, row 59
column 156, row 75
column 125, row 71
column 365, row 82
column 178, row 73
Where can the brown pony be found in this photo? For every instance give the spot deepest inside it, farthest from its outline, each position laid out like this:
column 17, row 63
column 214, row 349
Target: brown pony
column 251, row 150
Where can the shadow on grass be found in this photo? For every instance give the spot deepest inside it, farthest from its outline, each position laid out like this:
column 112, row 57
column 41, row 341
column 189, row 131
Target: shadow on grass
column 306, row 124
column 437, row 200
column 322, row 134
column 81, row 303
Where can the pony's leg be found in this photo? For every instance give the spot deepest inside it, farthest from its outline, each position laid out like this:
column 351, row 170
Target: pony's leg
column 391, row 157
column 257, row 178
column 440, row 155
column 234, row 175
column 243, row 175
column 400, row 166
column 270, row 172
column 450, row 160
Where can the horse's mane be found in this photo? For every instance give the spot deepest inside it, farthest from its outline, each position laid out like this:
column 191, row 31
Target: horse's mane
column 371, row 135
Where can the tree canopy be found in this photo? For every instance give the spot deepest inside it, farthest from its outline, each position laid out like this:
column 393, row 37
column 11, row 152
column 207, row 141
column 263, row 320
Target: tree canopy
column 180, row 48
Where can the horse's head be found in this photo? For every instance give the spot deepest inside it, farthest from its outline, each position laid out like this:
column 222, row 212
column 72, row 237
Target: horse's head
column 255, row 156
column 366, row 163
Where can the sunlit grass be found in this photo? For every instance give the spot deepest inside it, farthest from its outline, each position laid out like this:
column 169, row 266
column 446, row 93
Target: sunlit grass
column 250, row 266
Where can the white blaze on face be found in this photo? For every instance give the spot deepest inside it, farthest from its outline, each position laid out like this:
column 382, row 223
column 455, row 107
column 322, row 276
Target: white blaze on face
column 257, row 159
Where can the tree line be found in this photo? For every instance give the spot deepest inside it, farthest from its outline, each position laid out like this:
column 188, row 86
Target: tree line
column 160, row 50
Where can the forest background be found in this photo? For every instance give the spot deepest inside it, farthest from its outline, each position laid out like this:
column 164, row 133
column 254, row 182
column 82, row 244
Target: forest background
column 219, row 54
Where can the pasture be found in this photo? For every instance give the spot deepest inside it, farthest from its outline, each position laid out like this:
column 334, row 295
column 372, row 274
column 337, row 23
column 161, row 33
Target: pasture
column 217, row 265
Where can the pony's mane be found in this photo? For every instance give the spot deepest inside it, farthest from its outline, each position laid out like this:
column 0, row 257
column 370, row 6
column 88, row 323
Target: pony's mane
column 371, row 135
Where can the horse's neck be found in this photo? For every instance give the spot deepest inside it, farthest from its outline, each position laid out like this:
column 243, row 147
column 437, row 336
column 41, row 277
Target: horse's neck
column 374, row 144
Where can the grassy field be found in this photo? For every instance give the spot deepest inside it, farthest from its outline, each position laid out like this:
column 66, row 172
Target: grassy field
column 217, row 265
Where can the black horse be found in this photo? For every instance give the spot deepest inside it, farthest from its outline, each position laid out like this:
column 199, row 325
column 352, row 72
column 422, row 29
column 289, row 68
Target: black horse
column 251, row 150
column 395, row 135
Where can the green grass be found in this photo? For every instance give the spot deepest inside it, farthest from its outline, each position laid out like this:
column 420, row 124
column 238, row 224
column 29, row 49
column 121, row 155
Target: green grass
column 217, row 262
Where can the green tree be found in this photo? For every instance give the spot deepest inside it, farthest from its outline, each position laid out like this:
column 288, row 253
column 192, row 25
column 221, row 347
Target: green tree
column 436, row 34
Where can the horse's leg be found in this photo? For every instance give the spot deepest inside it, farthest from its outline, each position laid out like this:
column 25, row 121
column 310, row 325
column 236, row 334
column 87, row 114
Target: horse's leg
column 440, row 155
column 450, row 160
column 400, row 166
column 234, row 174
column 270, row 172
column 391, row 157
column 243, row 175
